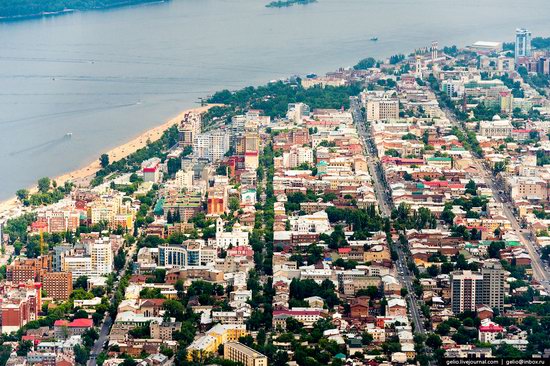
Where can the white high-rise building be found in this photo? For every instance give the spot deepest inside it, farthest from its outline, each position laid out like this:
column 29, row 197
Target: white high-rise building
column 96, row 261
column 101, row 252
column 418, row 67
column 211, row 145
column 381, row 105
column 434, row 50
column 523, row 43
column 297, row 111
column 466, row 290
column 184, row 179
column 494, row 280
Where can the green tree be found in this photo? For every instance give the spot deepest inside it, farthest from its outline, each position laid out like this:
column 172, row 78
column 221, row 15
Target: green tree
column 365, row 63
column 81, row 355
column 81, row 314
column 494, row 249
column 81, row 282
column 471, row 188
column 433, row 271
column 104, row 160
column 234, row 204
column 22, row 194
column 44, row 184
column 23, row 348
column 120, row 260
column 366, row 338
column 434, row 341
column 175, row 309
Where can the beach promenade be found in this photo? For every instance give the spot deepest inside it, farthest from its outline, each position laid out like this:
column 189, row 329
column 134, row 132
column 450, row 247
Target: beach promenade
column 82, row 177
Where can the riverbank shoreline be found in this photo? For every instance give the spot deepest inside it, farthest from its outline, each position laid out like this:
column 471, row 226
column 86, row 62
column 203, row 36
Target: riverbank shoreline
column 81, row 177
column 47, row 14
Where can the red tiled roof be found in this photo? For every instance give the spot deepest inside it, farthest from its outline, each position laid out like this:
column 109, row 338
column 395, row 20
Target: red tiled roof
column 81, row 323
column 153, row 302
column 491, row 328
column 456, row 185
column 61, row 323
column 436, row 183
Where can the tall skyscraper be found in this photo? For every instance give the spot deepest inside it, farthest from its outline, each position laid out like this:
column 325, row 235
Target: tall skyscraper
column 523, row 43
column 470, row 289
column 493, row 284
column 434, row 50
column 466, row 290
column 418, row 68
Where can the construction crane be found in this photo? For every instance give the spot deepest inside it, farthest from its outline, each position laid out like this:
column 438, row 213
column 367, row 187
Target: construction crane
column 43, row 250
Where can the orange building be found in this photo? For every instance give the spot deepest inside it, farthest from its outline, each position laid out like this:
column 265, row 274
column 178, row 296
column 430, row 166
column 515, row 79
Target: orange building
column 31, row 269
column 217, row 200
column 58, row 285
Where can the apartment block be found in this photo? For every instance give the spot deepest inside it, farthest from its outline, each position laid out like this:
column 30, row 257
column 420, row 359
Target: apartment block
column 493, row 284
column 58, row 285
column 381, row 106
column 20, row 304
column 238, row 352
column 219, row 334
column 192, row 253
column 27, row 269
column 466, row 290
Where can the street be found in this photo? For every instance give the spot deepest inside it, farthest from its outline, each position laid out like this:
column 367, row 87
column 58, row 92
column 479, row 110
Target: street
column 539, row 273
column 385, row 209
column 101, row 342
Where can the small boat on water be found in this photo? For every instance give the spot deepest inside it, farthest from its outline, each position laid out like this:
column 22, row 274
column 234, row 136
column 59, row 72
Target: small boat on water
column 69, row 135
column 374, row 39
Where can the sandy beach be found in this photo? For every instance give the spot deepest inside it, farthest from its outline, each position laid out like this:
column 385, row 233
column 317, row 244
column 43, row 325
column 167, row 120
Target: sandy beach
column 82, row 177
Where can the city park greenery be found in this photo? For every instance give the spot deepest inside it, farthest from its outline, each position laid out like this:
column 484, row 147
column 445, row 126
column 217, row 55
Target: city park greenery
column 273, row 98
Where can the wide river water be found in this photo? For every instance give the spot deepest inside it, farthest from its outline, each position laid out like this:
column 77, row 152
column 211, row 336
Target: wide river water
column 106, row 76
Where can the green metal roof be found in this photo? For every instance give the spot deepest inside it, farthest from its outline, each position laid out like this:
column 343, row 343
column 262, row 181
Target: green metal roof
column 159, row 207
column 439, row 159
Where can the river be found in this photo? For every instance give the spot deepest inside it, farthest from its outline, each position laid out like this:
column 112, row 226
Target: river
column 106, row 76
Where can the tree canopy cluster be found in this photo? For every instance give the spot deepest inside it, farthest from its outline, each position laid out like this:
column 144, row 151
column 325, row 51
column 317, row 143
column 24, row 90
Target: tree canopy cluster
column 274, row 98
column 133, row 162
column 27, row 8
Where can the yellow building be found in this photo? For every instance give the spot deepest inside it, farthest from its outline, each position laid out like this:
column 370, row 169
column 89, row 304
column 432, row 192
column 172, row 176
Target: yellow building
column 213, row 338
column 238, row 352
column 111, row 210
column 491, row 224
column 377, row 253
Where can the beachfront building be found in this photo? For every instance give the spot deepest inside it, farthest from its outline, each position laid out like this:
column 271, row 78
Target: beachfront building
column 151, row 170
column 188, row 129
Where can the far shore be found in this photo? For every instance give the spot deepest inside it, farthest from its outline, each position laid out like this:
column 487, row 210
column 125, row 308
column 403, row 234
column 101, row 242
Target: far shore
column 82, row 177
column 43, row 14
